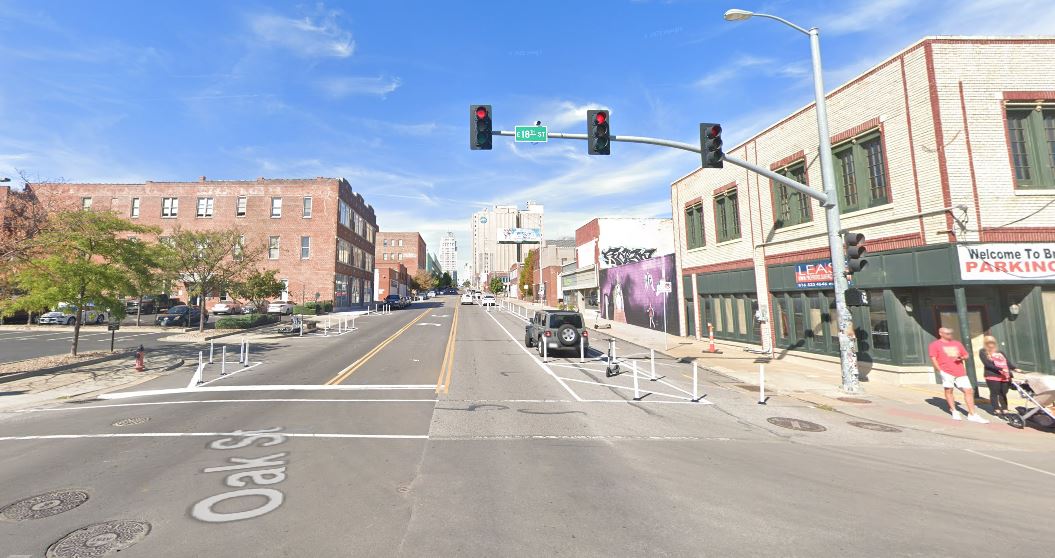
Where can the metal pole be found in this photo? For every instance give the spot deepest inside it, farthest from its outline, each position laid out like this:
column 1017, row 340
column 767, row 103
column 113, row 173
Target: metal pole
column 112, row 332
column 761, row 384
column 637, row 393
column 652, row 358
column 847, row 346
column 695, row 384
column 965, row 334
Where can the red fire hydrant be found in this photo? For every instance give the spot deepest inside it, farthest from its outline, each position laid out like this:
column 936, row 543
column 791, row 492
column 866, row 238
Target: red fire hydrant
column 140, row 365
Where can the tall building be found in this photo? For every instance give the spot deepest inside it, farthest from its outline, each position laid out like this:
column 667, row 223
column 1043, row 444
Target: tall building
column 407, row 248
column 449, row 255
column 494, row 233
column 318, row 233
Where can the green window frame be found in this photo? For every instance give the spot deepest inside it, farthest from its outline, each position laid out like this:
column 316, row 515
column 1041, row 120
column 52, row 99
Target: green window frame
column 1031, row 142
column 860, row 172
column 727, row 215
column 694, row 226
column 791, row 207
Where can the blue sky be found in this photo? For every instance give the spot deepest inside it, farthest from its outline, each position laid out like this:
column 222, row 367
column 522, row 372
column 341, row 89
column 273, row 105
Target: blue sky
column 378, row 92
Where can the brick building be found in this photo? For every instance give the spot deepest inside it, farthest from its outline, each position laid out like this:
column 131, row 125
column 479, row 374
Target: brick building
column 407, row 248
column 391, row 278
column 319, row 234
column 944, row 158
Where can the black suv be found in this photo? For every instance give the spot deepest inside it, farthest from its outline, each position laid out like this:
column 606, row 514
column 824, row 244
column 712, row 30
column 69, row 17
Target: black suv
column 559, row 329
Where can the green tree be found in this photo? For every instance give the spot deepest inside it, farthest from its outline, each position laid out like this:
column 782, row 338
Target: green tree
column 446, row 280
column 497, row 286
column 81, row 258
column 423, row 281
column 527, row 273
column 258, row 287
column 211, row 261
column 466, row 284
column 148, row 272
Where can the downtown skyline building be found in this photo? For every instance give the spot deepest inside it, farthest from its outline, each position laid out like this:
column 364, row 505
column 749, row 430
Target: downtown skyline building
column 494, row 232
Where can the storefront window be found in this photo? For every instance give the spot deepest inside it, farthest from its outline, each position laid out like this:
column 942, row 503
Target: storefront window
column 799, row 305
column 727, row 302
column 716, row 305
column 878, row 321
column 740, row 315
column 816, row 318
column 780, row 318
column 1047, row 298
column 340, row 290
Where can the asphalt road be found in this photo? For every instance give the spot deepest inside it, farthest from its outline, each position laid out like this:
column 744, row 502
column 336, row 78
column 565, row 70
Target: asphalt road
column 19, row 344
column 401, row 438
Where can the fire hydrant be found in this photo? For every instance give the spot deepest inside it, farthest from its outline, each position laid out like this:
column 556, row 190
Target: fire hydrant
column 140, row 365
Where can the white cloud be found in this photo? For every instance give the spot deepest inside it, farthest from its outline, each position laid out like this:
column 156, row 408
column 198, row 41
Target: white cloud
column 307, row 36
column 566, row 113
column 378, row 86
column 869, row 15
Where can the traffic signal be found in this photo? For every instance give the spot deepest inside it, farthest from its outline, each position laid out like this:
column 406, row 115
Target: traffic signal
column 479, row 127
column 598, row 136
column 711, row 145
column 855, row 252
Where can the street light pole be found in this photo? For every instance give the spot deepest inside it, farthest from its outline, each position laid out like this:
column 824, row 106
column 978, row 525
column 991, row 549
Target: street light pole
column 847, row 342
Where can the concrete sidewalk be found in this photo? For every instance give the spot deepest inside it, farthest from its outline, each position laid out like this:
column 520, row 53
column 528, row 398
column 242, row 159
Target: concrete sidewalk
column 919, row 407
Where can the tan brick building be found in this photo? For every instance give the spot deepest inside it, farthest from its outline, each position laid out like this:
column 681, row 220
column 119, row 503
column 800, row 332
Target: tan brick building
column 319, row 234
column 407, row 248
column 944, row 158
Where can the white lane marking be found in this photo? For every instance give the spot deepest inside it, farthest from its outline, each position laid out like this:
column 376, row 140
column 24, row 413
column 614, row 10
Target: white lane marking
column 541, row 364
column 226, row 401
column 630, row 388
column 309, row 387
column 429, row 323
column 243, row 369
column 207, row 434
column 584, row 437
column 1009, row 462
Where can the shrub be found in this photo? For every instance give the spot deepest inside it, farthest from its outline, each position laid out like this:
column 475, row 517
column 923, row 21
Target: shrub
column 245, row 322
column 308, row 308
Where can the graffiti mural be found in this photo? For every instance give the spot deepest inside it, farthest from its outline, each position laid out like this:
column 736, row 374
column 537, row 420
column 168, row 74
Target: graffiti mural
column 621, row 255
column 628, row 293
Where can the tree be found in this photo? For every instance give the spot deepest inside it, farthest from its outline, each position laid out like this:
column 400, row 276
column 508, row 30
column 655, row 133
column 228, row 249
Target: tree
column 80, row 258
column 211, row 261
column 258, row 287
column 496, row 286
column 148, row 272
column 22, row 217
column 423, row 281
column 466, row 284
column 446, row 280
column 527, row 273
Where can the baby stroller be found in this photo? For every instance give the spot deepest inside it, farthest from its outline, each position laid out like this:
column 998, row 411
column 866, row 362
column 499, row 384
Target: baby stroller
column 1038, row 390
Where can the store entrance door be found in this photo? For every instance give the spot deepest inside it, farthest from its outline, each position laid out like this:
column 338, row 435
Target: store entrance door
column 978, row 324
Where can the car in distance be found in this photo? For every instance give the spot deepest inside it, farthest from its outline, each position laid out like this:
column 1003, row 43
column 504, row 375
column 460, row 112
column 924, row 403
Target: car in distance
column 65, row 314
column 393, row 300
column 467, row 298
column 183, row 316
column 229, row 307
column 279, row 307
column 558, row 329
column 488, row 300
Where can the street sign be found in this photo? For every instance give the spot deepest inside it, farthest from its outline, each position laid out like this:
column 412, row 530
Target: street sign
column 531, row 134
column 113, row 326
column 663, row 287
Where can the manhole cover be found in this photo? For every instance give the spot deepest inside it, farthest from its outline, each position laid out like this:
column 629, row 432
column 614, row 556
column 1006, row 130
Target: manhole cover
column 44, row 505
column 100, row 539
column 796, row 424
column 853, row 400
column 131, row 421
column 873, row 426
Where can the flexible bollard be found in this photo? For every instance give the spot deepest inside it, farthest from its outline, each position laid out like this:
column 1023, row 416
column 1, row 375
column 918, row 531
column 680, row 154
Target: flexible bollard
column 301, row 332
column 695, row 383
column 652, row 357
column 246, row 354
column 582, row 349
column 199, row 359
column 210, row 352
column 223, row 360
column 545, row 350
column 637, row 392
column 761, row 384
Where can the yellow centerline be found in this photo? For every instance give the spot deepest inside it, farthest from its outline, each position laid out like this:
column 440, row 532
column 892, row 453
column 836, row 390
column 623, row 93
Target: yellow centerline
column 447, row 367
column 344, row 374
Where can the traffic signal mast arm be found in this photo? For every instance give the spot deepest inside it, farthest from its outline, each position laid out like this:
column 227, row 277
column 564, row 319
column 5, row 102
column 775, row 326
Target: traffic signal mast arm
column 797, row 186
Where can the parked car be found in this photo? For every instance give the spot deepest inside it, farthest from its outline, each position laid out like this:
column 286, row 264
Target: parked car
column 393, row 300
column 488, row 300
column 430, row 294
column 65, row 314
column 249, row 308
column 132, row 305
column 467, row 298
column 182, row 316
column 558, row 329
column 279, row 307
column 229, row 307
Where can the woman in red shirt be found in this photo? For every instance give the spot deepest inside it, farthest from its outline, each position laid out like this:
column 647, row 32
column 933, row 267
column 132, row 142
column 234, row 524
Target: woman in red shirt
column 998, row 368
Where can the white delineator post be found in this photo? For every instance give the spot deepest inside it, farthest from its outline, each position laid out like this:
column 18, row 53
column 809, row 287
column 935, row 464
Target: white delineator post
column 695, row 382
column 545, row 349
column 761, row 384
column 652, row 358
column 223, row 360
column 210, row 352
column 246, row 354
column 582, row 348
column 637, row 393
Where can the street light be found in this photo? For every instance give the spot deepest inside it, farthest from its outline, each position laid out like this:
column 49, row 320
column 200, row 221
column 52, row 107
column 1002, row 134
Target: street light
column 847, row 351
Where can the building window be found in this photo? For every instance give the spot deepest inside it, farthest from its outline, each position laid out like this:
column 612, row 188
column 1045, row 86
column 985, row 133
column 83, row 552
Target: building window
column 727, row 215
column 1031, row 134
column 860, row 173
column 307, row 208
column 384, row 256
column 272, row 247
column 401, row 243
column 344, row 251
column 169, row 207
column 276, row 208
column 134, row 212
column 791, row 207
column 384, row 243
column 305, row 247
column 694, row 226
column 240, row 208
column 345, row 214
column 204, row 207
column 86, row 204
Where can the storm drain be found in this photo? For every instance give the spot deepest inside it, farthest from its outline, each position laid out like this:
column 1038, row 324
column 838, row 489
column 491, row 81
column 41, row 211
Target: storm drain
column 873, row 426
column 44, row 505
column 852, row 400
column 132, row 421
column 100, row 539
column 796, row 424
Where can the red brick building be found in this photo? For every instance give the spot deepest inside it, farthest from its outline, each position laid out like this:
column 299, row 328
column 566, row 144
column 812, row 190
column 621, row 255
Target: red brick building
column 407, row 248
column 318, row 233
column 391, row 278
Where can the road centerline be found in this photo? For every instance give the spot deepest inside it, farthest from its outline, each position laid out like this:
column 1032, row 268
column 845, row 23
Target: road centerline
column 446, row 367
column 344, row 374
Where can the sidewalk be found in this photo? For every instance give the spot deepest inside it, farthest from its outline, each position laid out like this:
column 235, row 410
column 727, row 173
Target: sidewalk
column 82, row 381
column 919, row 407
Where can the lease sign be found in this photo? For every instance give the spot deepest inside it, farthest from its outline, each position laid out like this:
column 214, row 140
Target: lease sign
column 813, row 275
column 1006, row 262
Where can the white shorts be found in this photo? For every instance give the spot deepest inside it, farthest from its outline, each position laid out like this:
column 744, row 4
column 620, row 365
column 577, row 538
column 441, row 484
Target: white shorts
column 950, row 381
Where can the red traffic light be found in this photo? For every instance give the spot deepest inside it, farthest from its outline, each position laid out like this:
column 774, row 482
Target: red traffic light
column 481, row 112
column 714, row 131
column 600, row 117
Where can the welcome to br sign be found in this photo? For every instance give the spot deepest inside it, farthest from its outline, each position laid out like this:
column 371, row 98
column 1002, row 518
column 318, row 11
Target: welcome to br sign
column 1007, row 262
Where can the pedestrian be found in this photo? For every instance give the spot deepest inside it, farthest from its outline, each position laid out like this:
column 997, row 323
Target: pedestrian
column 948, row 355
column 998, row 373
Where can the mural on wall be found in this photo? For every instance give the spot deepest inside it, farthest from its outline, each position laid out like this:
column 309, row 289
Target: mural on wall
column 626, row 240
column 628, row 293
column 621, row 255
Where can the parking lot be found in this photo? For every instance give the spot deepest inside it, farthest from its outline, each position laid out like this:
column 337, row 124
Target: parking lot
column 19, row 344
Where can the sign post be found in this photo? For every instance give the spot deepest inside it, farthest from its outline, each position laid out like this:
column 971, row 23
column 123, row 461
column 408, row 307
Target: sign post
column 113, row 326
column 530, row 134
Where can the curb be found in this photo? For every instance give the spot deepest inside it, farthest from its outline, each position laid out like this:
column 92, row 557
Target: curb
column 15, row 376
